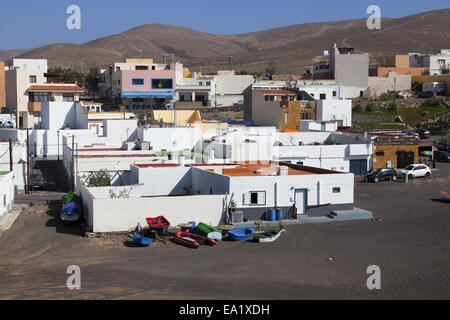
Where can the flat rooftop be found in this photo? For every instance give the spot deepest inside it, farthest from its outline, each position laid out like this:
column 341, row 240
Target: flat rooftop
column 261, row 169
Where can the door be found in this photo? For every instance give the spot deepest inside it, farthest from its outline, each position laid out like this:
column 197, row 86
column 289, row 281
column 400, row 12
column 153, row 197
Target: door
column 300, row 201
column 404, row 159
column 358, row 167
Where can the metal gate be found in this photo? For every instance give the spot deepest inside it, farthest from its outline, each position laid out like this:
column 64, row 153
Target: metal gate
column 358, row 167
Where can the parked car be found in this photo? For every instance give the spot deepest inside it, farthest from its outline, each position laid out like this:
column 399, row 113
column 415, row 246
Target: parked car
column 425, row 94
column 442, row 156
column 416, row 171
column 442, row 146
column 381, row 174
column 38, row 179
column 424, row 134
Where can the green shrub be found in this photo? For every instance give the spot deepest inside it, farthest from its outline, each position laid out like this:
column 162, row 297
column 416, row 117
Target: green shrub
column 357, row 108
column 370, row 107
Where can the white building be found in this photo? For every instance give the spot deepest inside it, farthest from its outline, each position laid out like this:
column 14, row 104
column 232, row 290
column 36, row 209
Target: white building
column 297, row 191
column 327, row 150
column 335, row 110
column 435, row 62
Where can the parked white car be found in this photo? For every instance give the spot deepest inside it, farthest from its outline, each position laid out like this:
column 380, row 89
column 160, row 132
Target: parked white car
column 416, row 171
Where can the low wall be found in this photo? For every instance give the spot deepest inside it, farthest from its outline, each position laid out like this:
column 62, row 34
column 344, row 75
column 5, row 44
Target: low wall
column 116, row 215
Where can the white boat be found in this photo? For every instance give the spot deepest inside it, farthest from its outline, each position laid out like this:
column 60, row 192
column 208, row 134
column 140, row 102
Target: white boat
column 267, row 236
column 445, row 195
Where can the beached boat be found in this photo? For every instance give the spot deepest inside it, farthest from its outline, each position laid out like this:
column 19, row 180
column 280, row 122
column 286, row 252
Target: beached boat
column 208, row 231
column 158, row 224
column 141, row 240
column 192, row 240
column 445, row 195
column 267, row 236
column 240, row 234
column 70, row 212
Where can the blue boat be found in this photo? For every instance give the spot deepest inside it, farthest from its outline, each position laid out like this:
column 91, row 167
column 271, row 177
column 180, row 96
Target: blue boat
column 240, row 234
column 141, row 240
column 70, row 212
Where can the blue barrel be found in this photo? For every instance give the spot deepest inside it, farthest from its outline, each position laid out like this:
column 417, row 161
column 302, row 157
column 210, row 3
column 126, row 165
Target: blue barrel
column 271, row 214
column 279, row 214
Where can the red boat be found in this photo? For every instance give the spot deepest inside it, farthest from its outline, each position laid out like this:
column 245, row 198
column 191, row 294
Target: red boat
column 158, row 224
column 192, row 240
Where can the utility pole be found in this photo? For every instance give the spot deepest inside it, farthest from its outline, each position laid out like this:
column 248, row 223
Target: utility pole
column 28, row 163
column 11, row 166
column 73, row 163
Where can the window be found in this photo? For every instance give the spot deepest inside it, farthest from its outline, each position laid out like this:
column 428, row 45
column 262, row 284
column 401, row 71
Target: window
column 361, row 94
column 334, row 93
column 336, row 190
column 138, row 82
column 379, row 153
column 208, row 83
column 141, row 67
column 32, row 79
column 304, row 116
column 255, row 198
column 117, row 68
column 323, row 96
column 39, row 96
column 286, row 117
column 200, row 83
column 68, row 97
column 162, row 84
column 153, row 68
column 300, row 163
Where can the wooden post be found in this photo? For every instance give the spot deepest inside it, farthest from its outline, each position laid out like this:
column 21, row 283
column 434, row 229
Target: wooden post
column 11, row 165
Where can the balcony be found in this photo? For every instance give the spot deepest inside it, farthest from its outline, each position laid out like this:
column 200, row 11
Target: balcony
column 34, row 107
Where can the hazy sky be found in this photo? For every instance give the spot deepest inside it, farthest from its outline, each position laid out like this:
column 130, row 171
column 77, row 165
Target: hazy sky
column 29, row 24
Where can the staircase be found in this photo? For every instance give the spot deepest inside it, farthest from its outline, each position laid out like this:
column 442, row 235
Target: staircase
column 346, row 215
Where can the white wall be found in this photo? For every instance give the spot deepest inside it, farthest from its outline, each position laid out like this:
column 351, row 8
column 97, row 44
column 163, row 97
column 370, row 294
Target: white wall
column 6, row 193
column 163, row 181
column 282, row 195
column 335, row 110
column 232, row 85
column 120, row 130
column 312, row 125
column 171, row 139
column 115, row 215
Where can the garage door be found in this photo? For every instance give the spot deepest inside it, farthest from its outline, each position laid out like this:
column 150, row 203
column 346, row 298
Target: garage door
column 358, row 167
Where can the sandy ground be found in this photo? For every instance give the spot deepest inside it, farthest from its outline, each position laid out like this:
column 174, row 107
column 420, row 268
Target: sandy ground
column 410, row 244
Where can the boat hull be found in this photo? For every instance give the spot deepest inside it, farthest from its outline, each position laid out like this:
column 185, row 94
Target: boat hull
column 198, row 238
column 141, row 240
column 70, row 217
column 445, row 195
column 187, row 242
column 267, row 237
column 240, row 234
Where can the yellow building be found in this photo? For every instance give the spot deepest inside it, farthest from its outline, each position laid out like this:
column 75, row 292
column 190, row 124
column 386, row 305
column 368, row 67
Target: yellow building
column 397, row 152
column 183, row 117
